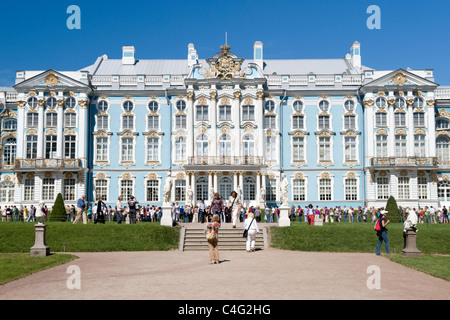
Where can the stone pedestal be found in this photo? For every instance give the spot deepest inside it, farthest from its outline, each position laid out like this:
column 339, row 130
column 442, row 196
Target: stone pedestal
column 40, row 248
column 410, row 249
column 318, row 221
column 166, row 218
column 284, row 217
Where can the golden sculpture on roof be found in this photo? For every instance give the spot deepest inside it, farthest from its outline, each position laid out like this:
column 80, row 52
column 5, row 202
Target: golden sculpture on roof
column 225, row 67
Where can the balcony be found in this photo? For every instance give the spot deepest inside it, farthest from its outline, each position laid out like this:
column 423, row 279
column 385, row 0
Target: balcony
column 404, row 162
column 226, row 161
column 47, row 164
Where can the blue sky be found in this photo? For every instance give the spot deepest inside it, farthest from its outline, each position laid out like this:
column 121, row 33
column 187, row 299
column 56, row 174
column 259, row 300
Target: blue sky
column 34, row 35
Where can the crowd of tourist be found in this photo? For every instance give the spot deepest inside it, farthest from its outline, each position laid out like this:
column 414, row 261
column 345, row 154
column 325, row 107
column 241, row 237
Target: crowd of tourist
column 203, row 213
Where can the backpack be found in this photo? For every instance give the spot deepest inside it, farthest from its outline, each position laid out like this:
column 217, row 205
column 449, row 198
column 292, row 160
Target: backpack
column 377, row 226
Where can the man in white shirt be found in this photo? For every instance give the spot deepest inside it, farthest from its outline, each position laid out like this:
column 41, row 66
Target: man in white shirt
column 119, row 211
column 433, row 214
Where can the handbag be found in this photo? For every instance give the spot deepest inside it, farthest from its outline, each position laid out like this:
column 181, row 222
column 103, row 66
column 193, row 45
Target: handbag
column 245, row 234
column 228, row 210
column 211, row 234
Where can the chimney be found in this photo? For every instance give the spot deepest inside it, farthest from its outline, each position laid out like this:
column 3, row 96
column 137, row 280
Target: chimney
column 192, row 55
column 355, row 52
column 258, row 53
column 128, row 55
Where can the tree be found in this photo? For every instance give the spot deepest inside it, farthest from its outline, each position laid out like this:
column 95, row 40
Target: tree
column 58, row 212
column 393, row 213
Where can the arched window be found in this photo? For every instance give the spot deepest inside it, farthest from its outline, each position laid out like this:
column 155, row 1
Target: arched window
column 153, row 106
column 380, row 103
column 6, row 191
column 225, row 145
column 324, row 105
column 70, row 102
column 444, row 190
column 298, row 105
column 270, row 105
column 248, row 145
column 102, row 105
column 9, row 124
column 128, row 106
column 442, row 151
column 202, row 145
column 181, row 105
column 180, row 148
column 249, row 189
column 51, row 103
column 225, row 187
column 9, row 151
column 202, row 189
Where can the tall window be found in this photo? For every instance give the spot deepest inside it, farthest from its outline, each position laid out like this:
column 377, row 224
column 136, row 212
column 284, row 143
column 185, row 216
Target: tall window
column 381, row 119
column 225, row 187
column 400, row 119
column 102, row 149
column 6, row 191
column 270, row 122
column 419, row 145
column 50, row 146
column 202, row 189
column 324, row 149
column 28, row 194
column 298, row 190
column 325, row 189
column 349, row 122
column 9, row 151
column 225, row 145
column 271, row 151
column 32, row 119
column 127, row 149
column 271, row 190
column 152, row 193
column 180, row 148
column 298, row 149
column 403, row 188
column 31, row 148
column 422, row 187
column 153, row 122
column 444, row 190
column 298, row 122
column 350, row 149
column 324, row 122
column 419, row 119
column 102, row 122
column 442, row 149
column 351, row 189
column 126, row 189
column 382, row 188
column 382, row 146
column 9, row 124
column 248, row 113
column 180, row 122
column 128, row 122
column 202, row 113
column 70, row 120
column 101, row 189
column 69, row 146
column 202, row 145
column 152, row 149
column 248, row 145
column 400, row 146
column 51, row 120
column 249, row 189
column 69, row 189
column 442, row 124
column 48, row 189
column 225, row 112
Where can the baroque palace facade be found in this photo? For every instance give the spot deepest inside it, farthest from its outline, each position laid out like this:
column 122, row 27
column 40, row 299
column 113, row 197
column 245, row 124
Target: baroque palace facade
column 340, row 132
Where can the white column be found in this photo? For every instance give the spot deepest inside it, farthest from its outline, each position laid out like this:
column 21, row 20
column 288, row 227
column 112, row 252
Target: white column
column 370, row 141
column 20, row 129
column 391, row 131
column 235, row 180
column 258, row 187
column 194, row 189
column 82, row 129
column 259, row 114
column 190, row 127
column 241, row 180
column 431, row 134
column 210, row 182
column 410, row 136
column 60, row 129
column 216, row 187
column 40, row 130
column 213, row 119
column 237, row 123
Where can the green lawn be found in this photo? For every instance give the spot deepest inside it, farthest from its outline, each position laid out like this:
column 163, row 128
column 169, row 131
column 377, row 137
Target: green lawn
column 432, row 241
column 17, row 265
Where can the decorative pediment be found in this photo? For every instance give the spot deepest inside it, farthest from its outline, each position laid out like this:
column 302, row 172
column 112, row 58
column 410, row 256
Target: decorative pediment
column 51, row 80
column 225, row 65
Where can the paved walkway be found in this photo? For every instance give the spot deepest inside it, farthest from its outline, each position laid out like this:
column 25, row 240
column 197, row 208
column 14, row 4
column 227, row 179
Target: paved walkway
column 269, row 274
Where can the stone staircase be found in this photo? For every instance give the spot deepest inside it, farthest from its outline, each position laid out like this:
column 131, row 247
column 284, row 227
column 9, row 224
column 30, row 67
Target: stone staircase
column 194, row 239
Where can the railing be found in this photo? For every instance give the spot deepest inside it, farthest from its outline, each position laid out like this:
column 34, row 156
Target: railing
column 299, row 80
column 101, row 80
column 351, row 80
column 11, row 96
column 324, row 80
column 227, row 160
column 442, row 93
column 47, row 163
column 402, row 162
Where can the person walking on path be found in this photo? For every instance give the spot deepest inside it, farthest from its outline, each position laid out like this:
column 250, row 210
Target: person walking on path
column 81, row 210
column 234, row 207
column 101, row 206
column 213, row 228
column 217, row 205
column 382, row 234
column 119, row 210
column 251, row 225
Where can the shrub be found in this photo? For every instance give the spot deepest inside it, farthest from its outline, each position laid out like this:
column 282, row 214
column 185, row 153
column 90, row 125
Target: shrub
column 393, row 213
column 58, row 212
